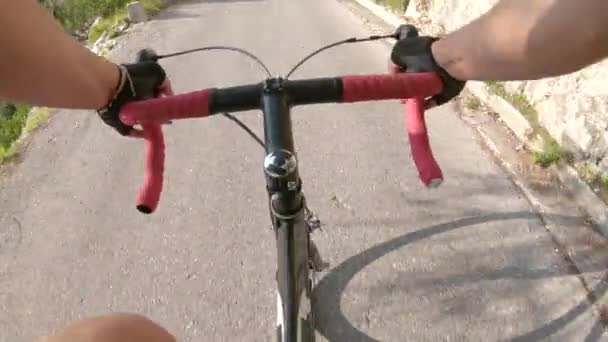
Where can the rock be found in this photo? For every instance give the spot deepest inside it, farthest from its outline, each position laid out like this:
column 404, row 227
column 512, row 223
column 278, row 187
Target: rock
column 411, row 9
column 96, row 21
column 99, row 43
column 110, row 44
column 137, row 12
column 122, row 27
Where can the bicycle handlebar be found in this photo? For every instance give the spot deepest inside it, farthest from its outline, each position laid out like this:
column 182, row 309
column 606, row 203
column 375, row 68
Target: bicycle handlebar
column 414, row 87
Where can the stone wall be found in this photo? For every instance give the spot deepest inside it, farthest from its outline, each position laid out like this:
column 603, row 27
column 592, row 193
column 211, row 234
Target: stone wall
column 573, row 108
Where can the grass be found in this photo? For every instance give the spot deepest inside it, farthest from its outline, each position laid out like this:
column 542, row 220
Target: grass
column 11, row 128
column 518, row 101
column 120, row 15
column 106, row 24
column 24, row 121
column 588, row 172
column 551, row 152
column 399, row 5
column 96, row 31
column 37, row 116
column 12, row 125
column 593, row 175
column 7, row 153
column 604, row 181
column 473, row 103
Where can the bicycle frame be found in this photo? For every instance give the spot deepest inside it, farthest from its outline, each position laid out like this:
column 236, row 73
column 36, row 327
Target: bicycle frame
column 287, row 205
column 297, row 256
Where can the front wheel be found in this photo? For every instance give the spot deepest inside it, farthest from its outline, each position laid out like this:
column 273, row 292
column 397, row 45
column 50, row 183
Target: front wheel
column 308, row 331
column 298, row 260
column 295, row 315
column 304, row 324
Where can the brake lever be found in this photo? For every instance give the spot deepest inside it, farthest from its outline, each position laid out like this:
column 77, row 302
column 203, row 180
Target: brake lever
column 428, row 170
column 149, row 193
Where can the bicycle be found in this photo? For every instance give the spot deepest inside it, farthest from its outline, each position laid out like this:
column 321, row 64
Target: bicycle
column 293, row 222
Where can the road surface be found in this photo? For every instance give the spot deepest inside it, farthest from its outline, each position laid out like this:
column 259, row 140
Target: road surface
column 470, row 261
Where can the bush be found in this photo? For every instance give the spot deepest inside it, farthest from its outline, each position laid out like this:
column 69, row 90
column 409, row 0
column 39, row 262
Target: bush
column 12, row 126
column 7, row 110
column 77, row 15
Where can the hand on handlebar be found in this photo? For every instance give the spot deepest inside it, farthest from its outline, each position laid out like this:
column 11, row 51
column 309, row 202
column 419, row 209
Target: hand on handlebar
column 138, row 81
column 412, row 53
column 151, row 113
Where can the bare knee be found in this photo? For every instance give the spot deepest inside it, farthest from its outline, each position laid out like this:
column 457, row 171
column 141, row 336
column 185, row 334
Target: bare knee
column 118, row 327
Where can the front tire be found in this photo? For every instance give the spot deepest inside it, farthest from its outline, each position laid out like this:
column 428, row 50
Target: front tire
column 305, row 323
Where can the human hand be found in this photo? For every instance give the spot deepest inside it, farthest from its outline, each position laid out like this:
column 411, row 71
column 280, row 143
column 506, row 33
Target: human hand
column 138, row 81
column 413, row 53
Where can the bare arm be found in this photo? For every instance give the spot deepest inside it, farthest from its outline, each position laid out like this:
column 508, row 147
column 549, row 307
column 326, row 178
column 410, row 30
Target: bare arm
column 43, row 65
column 527, row 39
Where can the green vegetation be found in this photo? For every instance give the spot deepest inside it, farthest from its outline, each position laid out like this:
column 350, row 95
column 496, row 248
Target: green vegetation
column 106, row 24
column 588, row 172
column 77, row 16
column 37, row 116
column 518, row 101
column 593, row 175
column 12, row 122
column 473, row 103
column 604, row 181
column 399, row 5
column 119, row 15
column 7, row 154
column 551, row 152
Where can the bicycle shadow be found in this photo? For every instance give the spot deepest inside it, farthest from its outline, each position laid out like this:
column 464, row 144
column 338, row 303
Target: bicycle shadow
column 330, row 288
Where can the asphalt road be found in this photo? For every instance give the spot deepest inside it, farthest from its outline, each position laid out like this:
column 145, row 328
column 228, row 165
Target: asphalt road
column 470, row 261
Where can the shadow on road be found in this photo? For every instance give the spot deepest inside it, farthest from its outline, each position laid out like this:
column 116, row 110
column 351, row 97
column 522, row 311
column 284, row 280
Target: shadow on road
column 329, row 290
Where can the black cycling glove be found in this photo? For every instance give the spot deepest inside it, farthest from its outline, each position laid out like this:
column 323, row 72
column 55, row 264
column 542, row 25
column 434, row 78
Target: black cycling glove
column 137, row 81
column 414, row 54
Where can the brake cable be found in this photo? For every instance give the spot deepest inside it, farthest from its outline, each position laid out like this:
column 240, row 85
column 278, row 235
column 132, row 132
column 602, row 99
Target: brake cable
column 226, row 48
column 342, row 42
column 245, row 128
column 261, row 64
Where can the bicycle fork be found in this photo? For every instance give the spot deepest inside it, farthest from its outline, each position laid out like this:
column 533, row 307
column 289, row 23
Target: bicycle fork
column 298, row 261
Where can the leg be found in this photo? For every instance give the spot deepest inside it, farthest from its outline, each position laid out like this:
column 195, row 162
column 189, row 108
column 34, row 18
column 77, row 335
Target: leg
column 112, row 328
